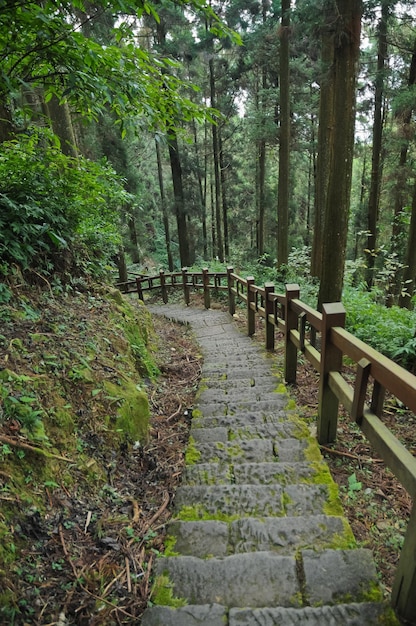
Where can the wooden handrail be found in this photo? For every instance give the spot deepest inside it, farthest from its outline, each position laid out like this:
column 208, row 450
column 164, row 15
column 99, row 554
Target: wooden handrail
column 289, row 314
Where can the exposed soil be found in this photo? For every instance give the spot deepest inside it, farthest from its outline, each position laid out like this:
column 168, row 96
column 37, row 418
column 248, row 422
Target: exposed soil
column 91, row 562
column 86, row 553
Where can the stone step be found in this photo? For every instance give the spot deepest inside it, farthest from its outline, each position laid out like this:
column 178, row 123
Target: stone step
column 235, row 396
column 215, row 371
column 246, row 420
column 354, row 614
column 250, row 450
column 261, row 408
column 229, row 501
column 264, row 383
column 266, row 473
column 238, row 428
column 236, row 451
column 265, row 579
column 282, row 535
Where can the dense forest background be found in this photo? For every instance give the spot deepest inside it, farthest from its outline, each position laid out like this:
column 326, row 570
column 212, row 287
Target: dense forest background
column 278, row 137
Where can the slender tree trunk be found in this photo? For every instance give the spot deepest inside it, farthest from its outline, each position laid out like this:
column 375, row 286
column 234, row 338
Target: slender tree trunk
column 165, row 216
column 284, row 143
column 324, row 140
column 213, row 217
column 345, row 17
column 261, row 195
column 201, row 191
column 404, row 117
column 180, row 212
column 410, row 269
column 217, row 180
column 6, row 123
column 223, row 178
column 376, row 160
column 60, row 117
column 135, row 254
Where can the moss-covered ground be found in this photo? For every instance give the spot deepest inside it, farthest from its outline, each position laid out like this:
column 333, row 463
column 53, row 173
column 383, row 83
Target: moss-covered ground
column 93, row 427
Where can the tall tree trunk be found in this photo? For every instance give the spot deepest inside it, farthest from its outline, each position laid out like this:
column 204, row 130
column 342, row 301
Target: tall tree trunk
column 405, row 299
column 284, row 142
column 201, row 190
column 324, row 139
column 345, row 17
column 215, row 151
column 376, row 160
column 180, row 212
column 165, row 216
column 135, row 254
column 223, row 170
column 404, row 118
column 261, row 168
column 60, row 117
column 6, row 123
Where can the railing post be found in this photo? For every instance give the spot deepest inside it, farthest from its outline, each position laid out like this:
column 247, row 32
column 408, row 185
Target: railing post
column 231, row 297
column 185, row 285
column 291, row 323
column 269, row 310
column 139, row 287
column 163, row 286
column 404, row 585
column 251, row 315
column 333, row 314
column 205, row 281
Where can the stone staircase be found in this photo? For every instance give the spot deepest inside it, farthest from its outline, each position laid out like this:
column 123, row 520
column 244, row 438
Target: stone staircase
column 258, row 536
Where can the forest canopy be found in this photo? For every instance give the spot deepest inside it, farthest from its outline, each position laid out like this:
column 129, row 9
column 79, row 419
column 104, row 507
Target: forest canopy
column 176, row 133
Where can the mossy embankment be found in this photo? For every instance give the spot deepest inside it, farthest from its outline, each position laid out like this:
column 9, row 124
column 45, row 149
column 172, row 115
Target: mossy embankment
column 75, row 371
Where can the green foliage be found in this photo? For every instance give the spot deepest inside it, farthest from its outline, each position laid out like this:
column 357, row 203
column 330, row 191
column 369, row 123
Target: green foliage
column 59, row 47
column 388, row 330
column 51, row 203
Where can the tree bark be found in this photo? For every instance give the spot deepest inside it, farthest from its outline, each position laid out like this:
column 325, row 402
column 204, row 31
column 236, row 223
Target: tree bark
column 165, row 216
column 376, row 160
column 224, row 197
column 284, row 141
column 345, row 18
column 180, row 212
column 61, row 122
column 405, row 299
column 217, row 181
column 324, row 139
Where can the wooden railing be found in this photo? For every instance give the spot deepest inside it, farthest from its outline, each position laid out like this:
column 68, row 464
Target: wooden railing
column 375, row 374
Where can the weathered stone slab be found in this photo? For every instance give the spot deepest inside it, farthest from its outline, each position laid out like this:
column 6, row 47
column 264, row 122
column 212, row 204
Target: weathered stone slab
column 237, row 451
column 284, row 534
column 264, row 383
column 291, row 449
column 245, row 421
column 367, row 614
column 256, row 579
column 303, row 499
column 264, row 409
column 206, row 435
column 237, row 395
column 230, row 500
column 200, row 539
column 199, row 615
column 269, row 430
column 335, row 574
column 271, row 473
column 208, row 474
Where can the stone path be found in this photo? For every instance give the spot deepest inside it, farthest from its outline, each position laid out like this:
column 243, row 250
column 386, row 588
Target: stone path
column 259, row 536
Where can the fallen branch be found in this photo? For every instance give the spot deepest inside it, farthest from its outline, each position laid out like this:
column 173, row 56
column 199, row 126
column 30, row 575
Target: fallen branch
column 356, row 457
column 159, row 511
column 175, row 414
column 17, row 443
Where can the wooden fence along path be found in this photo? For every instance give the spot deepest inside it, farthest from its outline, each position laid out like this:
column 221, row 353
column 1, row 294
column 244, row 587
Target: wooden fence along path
column 375, row 374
